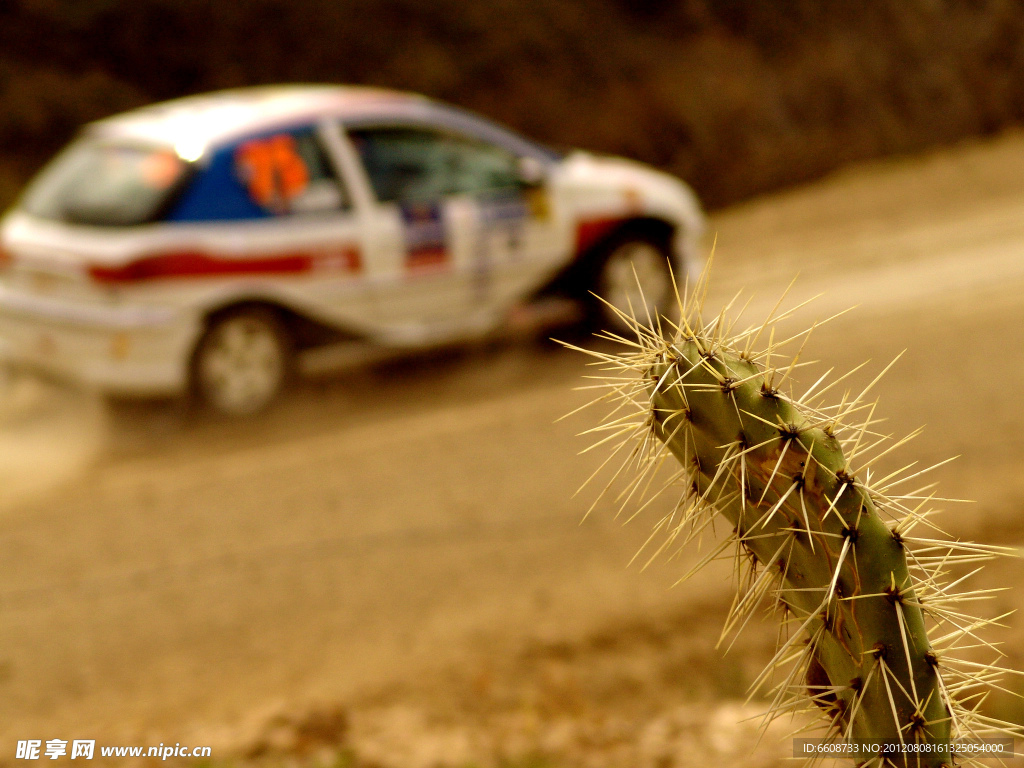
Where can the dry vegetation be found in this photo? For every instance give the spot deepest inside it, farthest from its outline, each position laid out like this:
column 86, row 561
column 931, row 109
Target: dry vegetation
column 737, row 97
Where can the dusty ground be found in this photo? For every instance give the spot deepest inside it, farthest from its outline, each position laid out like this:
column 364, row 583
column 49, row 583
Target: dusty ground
column 391, row 566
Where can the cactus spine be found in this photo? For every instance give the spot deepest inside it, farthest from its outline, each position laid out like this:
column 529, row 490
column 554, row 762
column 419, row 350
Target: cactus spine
column 858, row 595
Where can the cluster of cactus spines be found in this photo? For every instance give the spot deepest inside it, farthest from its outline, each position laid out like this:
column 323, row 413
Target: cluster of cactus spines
column 872, row 618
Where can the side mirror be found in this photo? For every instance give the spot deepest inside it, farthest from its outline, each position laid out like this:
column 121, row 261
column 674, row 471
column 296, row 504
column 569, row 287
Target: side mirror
column 531, row 172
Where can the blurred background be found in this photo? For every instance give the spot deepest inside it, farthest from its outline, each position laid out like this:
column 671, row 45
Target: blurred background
column 390, row 569
column 735, row 97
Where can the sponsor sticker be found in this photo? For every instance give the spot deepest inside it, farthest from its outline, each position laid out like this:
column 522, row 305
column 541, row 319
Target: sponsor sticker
column 425, row 235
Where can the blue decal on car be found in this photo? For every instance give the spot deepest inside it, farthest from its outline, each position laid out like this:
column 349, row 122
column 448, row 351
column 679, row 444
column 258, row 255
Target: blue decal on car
column 217, row 194
column 425, row 235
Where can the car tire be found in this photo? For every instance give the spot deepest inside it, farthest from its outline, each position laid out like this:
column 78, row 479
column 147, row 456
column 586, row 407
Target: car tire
column 634, row 277
column 242, row 362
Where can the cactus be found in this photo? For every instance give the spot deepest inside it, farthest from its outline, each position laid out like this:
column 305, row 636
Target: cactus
column 874, row 625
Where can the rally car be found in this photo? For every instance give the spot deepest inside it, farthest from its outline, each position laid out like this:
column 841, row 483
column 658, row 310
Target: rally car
column 211, row 244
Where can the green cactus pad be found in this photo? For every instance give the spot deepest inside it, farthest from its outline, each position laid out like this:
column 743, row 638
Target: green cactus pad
column 859, row 601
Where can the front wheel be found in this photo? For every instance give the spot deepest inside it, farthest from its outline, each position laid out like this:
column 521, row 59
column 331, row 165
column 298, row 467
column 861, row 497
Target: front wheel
column 635, row 281
column 242, row 362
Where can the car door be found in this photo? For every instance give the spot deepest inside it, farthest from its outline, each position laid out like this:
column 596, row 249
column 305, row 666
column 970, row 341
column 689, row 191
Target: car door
column 516, row 235
column 460, row 232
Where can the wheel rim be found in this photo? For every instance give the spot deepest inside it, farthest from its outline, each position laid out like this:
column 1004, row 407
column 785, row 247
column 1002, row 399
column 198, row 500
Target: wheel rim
column 242, row 365
column 636, row 281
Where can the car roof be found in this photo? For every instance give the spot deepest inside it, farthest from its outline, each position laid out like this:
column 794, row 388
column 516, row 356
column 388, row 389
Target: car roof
column 212, row 118
column 195, row 123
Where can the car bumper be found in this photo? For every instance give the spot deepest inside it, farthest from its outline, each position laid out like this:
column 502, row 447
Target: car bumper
column 130, row 350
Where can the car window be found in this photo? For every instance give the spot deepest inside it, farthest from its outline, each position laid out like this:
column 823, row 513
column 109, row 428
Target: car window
column 105, row 184
column 285, row 173
column 411, row 164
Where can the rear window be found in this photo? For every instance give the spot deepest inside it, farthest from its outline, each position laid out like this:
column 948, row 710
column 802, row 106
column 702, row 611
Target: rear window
column 105, row 184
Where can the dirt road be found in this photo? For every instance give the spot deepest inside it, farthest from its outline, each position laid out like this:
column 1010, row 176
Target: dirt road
column 393, row 561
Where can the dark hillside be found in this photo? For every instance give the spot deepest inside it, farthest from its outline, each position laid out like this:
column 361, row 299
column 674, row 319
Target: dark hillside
column 737, row 96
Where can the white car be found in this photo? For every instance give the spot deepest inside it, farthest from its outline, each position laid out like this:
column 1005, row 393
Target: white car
column 212, row 244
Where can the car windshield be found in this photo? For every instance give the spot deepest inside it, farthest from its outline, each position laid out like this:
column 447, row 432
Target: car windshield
column 105, row 184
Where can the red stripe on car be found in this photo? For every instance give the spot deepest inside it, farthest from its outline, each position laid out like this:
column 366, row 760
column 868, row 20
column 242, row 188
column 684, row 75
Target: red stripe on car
column 426, row 258
column 589, row 232
column 200, row 264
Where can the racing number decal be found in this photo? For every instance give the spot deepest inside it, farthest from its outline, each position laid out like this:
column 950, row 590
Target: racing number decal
column 272, row 170
column 425, row 246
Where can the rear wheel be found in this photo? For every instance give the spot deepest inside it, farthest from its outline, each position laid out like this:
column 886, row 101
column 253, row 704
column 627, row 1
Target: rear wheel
column 634, row 279
column 242, row 362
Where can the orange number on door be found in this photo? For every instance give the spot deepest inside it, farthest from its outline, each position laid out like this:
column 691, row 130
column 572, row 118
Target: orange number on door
column 272, row 170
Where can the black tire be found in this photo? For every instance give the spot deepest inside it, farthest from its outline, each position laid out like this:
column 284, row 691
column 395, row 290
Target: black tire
column 242, row 362
column 633, row 277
